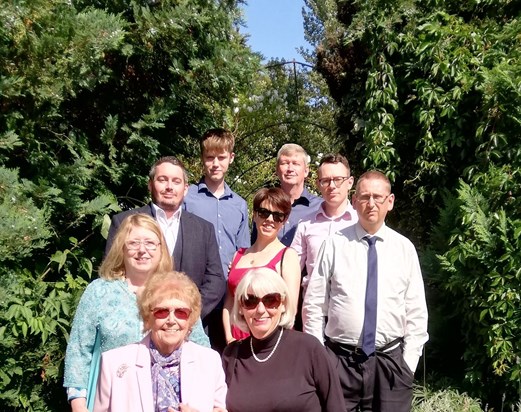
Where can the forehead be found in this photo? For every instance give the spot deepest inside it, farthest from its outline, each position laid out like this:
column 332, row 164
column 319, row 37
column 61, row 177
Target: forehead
column 170, row 303
column 266, row 204
column 379, row 186
column 216, row 153
column 169, row 170
column 332, row 169
column 141, row 232
column 293, row 157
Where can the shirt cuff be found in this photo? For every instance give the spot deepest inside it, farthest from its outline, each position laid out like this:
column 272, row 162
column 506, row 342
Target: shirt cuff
column 73, row 393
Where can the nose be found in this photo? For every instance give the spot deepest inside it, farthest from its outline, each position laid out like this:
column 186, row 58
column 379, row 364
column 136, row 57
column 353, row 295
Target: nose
column 261, row 308
column 215, row 162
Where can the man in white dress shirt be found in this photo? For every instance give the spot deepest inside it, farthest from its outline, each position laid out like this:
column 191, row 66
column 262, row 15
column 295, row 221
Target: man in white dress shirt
column 335, row 304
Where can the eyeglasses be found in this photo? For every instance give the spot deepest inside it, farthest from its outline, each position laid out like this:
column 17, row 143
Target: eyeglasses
column 263, row 213
column 270, row 301
column 179, row 313
column 136, row 244
column 337, row 181
column 379, row 199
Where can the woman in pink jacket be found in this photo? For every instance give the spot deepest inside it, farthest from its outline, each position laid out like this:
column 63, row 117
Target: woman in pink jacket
column 164, row 372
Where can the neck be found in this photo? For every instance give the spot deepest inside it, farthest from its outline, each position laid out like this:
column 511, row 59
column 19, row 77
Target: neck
column 333, row 210
column 217, row 188
column 136, row 281
column 262, row 244
column 294, row 191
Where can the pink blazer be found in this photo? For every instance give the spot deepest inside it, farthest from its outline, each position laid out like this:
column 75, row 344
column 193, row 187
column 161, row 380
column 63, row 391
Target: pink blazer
column 125, row 382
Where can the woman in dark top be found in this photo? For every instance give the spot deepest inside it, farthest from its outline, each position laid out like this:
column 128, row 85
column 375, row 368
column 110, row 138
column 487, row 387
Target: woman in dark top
column 276, row 368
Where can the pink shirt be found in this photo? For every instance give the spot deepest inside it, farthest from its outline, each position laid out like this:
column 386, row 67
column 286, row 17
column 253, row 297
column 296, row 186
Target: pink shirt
column 314, row 229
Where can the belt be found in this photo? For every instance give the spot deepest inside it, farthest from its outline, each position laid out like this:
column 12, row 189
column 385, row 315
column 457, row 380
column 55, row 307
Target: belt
column 344, row 349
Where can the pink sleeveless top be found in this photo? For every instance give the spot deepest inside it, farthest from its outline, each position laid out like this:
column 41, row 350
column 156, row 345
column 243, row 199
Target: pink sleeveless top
column 236, row 274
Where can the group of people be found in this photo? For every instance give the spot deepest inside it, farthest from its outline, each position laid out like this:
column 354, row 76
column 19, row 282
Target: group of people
column 322, row 308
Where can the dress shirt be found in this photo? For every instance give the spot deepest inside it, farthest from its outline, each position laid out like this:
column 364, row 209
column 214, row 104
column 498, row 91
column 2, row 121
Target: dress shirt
column 301, row 207
column 314, row 229
column 169, row 227
column 228, row 214
column 336, row 290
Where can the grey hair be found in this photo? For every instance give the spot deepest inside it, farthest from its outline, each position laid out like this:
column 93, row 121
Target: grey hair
column 290, row 148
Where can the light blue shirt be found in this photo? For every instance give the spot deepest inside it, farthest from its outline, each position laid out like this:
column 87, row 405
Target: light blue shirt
column 228, row 214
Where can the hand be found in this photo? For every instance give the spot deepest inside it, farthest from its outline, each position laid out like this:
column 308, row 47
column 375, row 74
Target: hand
column 183, row 408
column 79, row 405
column 228, row 341
column 218, row 409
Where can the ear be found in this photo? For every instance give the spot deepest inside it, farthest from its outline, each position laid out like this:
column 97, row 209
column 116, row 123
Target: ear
column 232, row 156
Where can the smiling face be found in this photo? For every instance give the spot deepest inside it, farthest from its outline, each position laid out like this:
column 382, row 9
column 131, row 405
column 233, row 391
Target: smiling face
column 292, row 170
column 267, row 227
column 168, row 334
column 216, row 164
column 143, row 260
column 168, row 188
column 262, row 321
column 371, row 214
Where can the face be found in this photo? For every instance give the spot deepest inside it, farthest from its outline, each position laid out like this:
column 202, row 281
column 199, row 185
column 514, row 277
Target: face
column 139, row 256
column 168, row 334
column 292, row 170
column 216, row 165
column 169, row 187
column 267, row 227
column 334, row 195
column 262, row 320
column 371, row 214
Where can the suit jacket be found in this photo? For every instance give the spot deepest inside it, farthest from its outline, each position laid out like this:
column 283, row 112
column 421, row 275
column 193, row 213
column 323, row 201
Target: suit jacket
column 196, row 253
column 125, row 380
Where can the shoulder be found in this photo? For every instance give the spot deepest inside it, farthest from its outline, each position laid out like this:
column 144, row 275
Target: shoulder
column 194, row 219
column 199, row 352
column 147, row 209
column 395, row 237
column 302, row 339
column 290, row 252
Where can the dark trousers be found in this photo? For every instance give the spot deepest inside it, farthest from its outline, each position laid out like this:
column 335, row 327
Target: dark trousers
column 380, row 383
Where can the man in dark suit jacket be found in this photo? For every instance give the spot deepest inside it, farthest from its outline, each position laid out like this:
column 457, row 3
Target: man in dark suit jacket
column 190, row 238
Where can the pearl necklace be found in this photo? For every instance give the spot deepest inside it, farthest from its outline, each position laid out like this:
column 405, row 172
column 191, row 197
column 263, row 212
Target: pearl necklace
column 272, row 351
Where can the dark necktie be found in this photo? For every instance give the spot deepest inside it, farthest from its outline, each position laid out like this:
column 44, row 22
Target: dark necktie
column 371, row 299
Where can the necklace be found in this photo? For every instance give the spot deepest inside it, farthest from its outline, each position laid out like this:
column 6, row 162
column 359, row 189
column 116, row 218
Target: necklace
column 272, row 351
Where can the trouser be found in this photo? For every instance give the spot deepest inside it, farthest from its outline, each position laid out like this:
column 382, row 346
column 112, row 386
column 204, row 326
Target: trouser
column 381, row 382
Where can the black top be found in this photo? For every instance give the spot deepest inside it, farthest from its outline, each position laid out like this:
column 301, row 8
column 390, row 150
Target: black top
column 297, row 378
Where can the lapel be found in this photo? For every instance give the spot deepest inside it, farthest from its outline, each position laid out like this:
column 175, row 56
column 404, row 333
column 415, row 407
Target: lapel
column 143, row 374
column 189, row 373
column 181, row 236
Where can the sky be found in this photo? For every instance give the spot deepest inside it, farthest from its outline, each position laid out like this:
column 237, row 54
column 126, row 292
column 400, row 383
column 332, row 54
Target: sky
column 275, row 28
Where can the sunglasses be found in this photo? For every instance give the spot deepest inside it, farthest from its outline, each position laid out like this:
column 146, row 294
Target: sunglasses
column 179, row 313
column 270, row 301
column 265, row 213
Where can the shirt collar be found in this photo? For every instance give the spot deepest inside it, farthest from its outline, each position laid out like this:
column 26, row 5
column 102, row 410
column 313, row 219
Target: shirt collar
column 347, row 215
column 202, row 187
column 160, row 213
column 380, row 234
column 304, row 199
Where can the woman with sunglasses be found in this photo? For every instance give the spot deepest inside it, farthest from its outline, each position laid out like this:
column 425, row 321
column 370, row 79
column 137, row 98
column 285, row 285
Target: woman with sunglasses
column 288, row 370
column 164, row 372
column 107, row 316
column 271, row 208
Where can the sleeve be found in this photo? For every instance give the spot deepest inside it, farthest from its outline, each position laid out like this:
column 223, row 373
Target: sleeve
column 214, row 282
column 316, row 300
column 416, row 314
column 243, row 236
column 79, row 351
column 220, row 384
column 327, row 382
column 299, row 244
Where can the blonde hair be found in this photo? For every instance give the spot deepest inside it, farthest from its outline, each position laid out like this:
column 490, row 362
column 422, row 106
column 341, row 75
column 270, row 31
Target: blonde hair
column 169, row 285
column 260, row 282
column 113, row 266
column 216, row 141
column 292, row 148
column 373, row 175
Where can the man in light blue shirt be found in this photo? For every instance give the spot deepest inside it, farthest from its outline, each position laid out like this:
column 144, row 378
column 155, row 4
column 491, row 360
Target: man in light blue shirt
column 213, row 200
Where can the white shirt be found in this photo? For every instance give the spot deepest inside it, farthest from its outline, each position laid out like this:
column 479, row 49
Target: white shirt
column 169, row 227
column 313, row 230
column 337, row 290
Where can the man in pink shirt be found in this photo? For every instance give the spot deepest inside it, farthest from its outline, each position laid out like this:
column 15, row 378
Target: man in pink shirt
column 335, row 213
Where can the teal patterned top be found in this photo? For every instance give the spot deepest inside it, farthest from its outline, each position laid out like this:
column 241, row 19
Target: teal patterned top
column 110, row 307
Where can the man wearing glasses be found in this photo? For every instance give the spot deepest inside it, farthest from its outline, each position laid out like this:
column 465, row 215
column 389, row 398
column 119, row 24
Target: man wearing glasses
column 365, row 300
column 335, row 213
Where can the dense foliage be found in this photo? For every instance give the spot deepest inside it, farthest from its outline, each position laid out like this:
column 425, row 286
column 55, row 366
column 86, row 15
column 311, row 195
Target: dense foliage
column 430, row 92
column 92, row 92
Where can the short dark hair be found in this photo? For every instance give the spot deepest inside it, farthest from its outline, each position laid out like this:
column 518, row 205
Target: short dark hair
column 167, row 159
column 274, row 195
column 334, row 158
